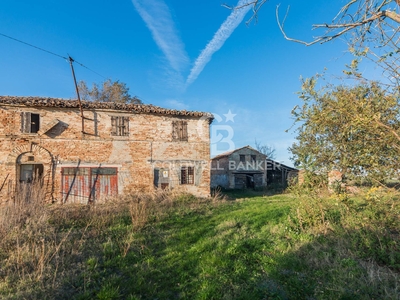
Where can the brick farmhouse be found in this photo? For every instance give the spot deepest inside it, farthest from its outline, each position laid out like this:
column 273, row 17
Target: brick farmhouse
column 92, row 151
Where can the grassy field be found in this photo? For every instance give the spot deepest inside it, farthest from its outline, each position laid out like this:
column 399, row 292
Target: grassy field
column 246, row 246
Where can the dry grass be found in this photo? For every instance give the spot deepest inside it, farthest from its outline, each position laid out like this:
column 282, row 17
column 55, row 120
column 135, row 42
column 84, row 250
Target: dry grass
column 42, row 246
column 331, row 246
column 27, row 204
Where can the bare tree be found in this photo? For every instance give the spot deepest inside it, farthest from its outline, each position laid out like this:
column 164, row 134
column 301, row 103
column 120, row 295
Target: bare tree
column 269, row 151
column 256, row 6
column 371, row 28
column 107, row 91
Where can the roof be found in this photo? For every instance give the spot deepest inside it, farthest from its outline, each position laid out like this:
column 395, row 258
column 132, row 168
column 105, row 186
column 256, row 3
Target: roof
column 276, row 163
column 233, row 151
column 251, row 148
column 69, row 103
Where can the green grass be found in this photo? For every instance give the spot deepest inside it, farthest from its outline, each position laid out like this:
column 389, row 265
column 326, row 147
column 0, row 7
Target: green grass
column 207, row 253
column 249, row 248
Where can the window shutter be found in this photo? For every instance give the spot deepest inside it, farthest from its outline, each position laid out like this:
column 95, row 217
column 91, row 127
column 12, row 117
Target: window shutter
column 119, row 126
column 184, row 131
column 120, row 123
column 126, row 123
column 180, row 130
column 22, row 122
column 174, row 131
column 26, row 122
column 113, row 126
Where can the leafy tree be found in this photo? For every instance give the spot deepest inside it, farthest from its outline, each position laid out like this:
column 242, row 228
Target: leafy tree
column 269, row 151
column 355, row 130
column 107, row 91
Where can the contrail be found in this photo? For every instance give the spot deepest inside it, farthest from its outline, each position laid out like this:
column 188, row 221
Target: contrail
column 223, row 33
column 157, row 16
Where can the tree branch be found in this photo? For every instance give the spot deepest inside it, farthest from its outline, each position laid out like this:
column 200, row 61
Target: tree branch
column 380, row 14
column 388, row 128
column 346, row 27
column 391, row 14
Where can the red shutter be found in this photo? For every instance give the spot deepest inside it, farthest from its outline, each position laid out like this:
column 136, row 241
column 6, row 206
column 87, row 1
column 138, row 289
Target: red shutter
column 81, row 184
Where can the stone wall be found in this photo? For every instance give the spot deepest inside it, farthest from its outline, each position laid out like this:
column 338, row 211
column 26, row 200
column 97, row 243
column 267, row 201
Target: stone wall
column 228, row 171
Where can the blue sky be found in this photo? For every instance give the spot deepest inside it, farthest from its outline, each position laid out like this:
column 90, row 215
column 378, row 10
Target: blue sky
column 194, row 55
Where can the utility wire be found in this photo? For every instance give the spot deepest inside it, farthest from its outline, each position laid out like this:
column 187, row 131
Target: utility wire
column 55, row 54
column 33, row 46
column 87, row 67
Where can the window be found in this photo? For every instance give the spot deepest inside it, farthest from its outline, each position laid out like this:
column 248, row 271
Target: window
column 30, row 122
column 30, row 172
column 187, row 175
column 75, row 171
column 242, row 158
column 253, row 158
column 179, row 131
column 120, row 126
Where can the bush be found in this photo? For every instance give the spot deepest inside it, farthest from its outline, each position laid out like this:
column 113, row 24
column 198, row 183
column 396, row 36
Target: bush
column 368, row 224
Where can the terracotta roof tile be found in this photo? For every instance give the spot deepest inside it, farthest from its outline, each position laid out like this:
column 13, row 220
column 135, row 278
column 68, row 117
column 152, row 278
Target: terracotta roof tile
column 64, row 103
column 233, row 151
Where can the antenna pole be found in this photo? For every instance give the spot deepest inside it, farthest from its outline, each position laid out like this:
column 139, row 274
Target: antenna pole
column 71, row 60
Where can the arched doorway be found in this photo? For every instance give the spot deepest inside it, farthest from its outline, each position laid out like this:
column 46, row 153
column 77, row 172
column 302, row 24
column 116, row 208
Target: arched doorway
column 33, row 168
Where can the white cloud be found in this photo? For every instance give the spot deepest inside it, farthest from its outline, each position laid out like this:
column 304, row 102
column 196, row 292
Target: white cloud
column 163, row 77
column 157, row 16
column 223, row 33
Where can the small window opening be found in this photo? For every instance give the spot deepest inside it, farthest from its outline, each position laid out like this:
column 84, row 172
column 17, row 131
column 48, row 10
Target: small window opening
column 242, row 158
column 29, row 173
column 30, row 122
column 187, row 175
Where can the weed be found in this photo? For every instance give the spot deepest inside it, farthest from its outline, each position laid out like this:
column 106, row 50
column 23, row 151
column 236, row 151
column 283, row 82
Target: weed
column 167, row 245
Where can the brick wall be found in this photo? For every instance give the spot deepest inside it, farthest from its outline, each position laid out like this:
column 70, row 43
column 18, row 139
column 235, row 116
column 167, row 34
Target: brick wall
column 148, row 146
